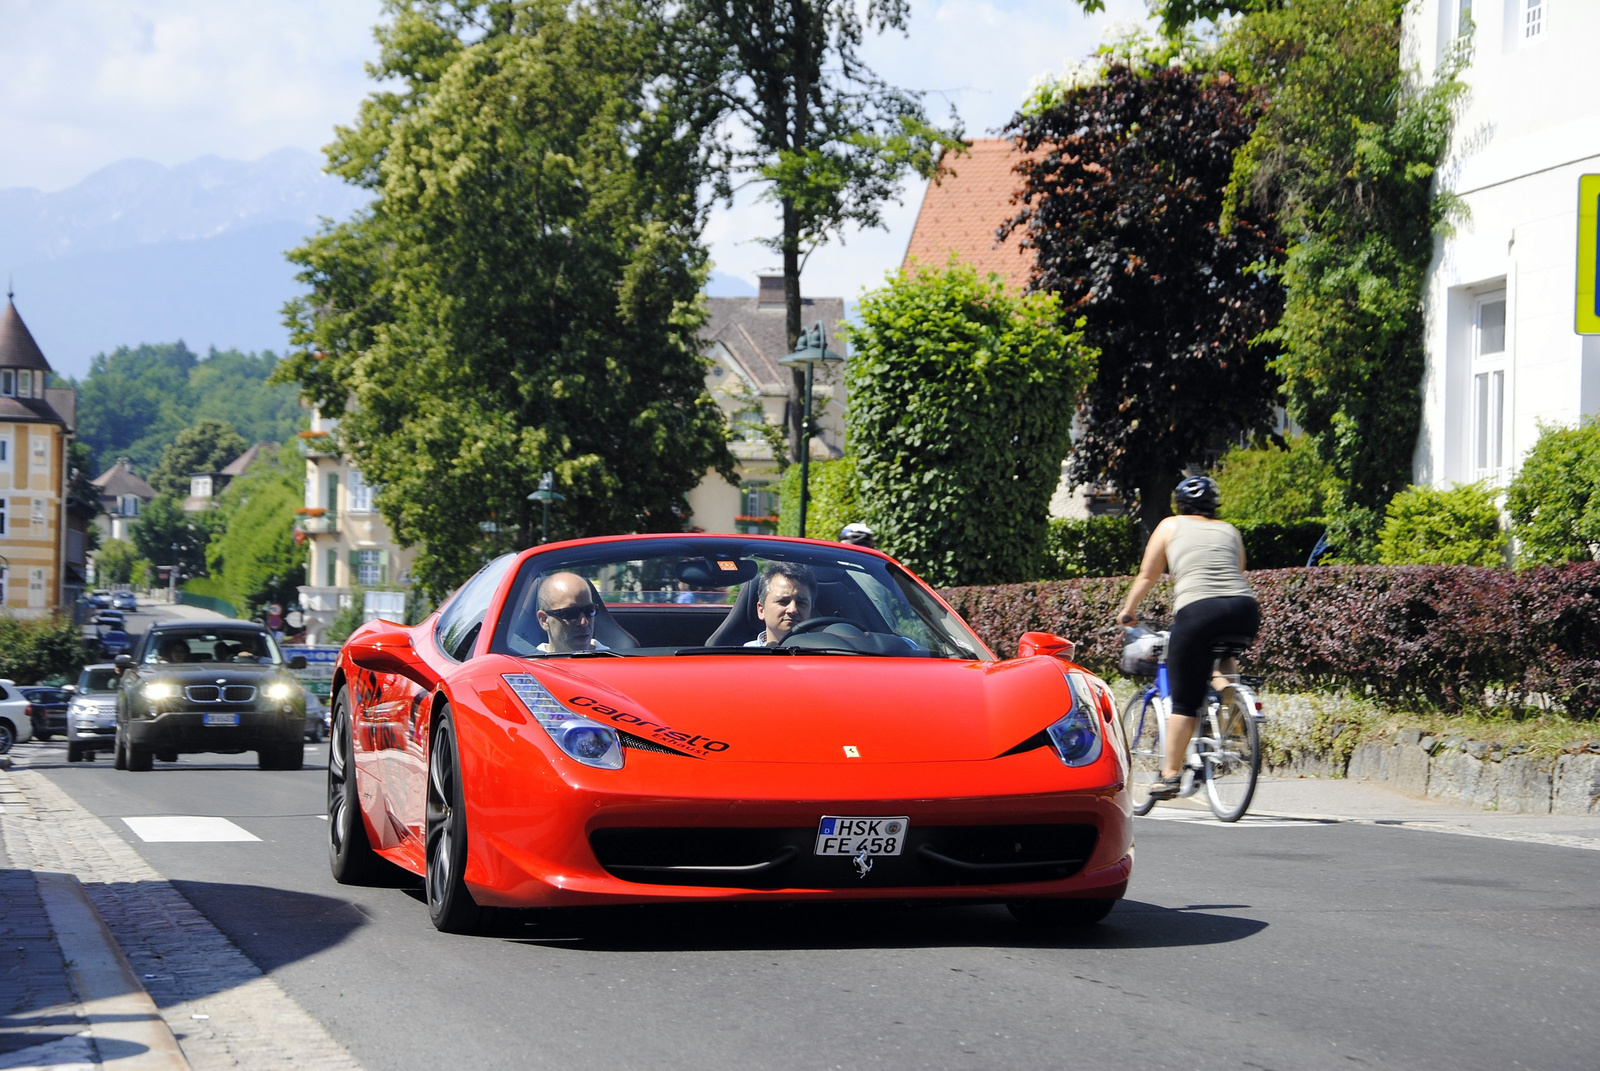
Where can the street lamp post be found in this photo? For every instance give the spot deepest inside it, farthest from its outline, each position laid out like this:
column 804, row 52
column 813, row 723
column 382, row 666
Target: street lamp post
column 810, row 349
column 546, row 494
column 172, row 575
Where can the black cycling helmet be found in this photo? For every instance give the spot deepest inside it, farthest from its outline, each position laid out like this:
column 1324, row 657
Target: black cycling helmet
column 1197, row 494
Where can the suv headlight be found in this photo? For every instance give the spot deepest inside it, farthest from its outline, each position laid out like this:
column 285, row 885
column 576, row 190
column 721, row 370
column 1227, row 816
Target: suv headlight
column 278, row 691
column 587, row 741
column 1076, row 736
column 160, row 690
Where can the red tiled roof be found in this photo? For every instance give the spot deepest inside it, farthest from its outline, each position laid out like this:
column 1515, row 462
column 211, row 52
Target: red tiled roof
column 960, row 213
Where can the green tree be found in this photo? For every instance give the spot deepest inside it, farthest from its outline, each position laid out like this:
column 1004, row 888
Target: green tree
column 253, row 555
column 833, row 501
column 1287, row 484
column 206, row 447
column 1554, row 501
column 164, row 534
column 1459, row 526
column 804, row 117
column 1345, row 155
column 522, row 294
column 114, row 563
column 40, row 649
column 1122, row 198
column 957, row 394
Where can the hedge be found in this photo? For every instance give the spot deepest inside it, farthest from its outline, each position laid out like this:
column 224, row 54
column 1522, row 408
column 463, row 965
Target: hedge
column 1441, row 636
column 46, row 648
column 1093, row 546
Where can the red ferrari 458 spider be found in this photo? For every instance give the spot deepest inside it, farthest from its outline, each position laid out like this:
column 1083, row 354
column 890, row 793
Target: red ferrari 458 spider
column 693, row 717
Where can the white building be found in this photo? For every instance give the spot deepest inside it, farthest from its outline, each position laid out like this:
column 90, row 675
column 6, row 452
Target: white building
column 1503, row 355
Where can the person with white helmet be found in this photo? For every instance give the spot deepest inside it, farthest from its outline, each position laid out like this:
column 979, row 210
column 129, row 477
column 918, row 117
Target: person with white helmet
column 858, row 534
column 1210, row 598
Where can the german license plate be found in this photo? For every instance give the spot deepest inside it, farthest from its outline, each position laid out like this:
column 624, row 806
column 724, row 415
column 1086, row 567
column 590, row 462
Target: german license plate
column 838, row 835
column 220, row 718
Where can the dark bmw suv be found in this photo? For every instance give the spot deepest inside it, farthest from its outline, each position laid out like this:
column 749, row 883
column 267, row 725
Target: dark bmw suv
column 220, row 686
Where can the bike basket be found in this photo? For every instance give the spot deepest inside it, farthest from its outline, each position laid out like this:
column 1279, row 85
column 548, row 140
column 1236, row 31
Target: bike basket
column 1141, row 657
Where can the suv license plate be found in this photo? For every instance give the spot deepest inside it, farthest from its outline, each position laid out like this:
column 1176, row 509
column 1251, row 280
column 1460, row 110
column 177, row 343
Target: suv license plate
column 222, row 719
column 848, row 836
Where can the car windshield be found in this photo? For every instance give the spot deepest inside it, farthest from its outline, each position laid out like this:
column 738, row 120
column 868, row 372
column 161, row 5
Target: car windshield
column 97, row 680
column 211, row 645
column 705, row 595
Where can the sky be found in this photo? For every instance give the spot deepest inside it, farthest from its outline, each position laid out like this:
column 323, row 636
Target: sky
column 85, row 83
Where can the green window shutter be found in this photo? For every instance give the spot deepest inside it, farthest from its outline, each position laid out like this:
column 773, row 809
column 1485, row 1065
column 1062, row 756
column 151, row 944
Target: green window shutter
column 333, row 568
column 333, row 494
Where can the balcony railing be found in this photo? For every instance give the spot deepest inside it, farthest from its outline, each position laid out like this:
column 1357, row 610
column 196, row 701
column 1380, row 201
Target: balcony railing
column 317, row 523
column 316, row 444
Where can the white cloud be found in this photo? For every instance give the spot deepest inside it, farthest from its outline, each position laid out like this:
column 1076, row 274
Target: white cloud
column 95, row 81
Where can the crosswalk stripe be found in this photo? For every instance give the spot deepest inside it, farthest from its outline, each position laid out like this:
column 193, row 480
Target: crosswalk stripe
column 186, row 828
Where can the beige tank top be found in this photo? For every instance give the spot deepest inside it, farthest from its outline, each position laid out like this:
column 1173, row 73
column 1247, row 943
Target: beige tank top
column 1203, row 558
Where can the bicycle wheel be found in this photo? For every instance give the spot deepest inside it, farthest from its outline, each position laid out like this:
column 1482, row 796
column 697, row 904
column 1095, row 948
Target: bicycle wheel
column 1141, row 725
column 1235, row 762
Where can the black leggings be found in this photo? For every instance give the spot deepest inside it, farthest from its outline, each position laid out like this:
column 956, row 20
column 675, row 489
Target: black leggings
column 1189, row 648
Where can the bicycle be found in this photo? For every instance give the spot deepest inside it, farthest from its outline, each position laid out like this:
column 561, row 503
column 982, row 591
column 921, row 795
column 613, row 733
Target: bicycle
column 1225, row 751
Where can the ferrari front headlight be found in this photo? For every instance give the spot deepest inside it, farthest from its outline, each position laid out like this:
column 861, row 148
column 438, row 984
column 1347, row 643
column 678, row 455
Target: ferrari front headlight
column 1076, row 736
column 278, row 691
column 160, row 690
column 587, row 741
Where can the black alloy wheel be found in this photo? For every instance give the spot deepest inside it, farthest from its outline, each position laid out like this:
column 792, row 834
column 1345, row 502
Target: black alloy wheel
column 350, row 854
column 450, row 905
column 1062, row 914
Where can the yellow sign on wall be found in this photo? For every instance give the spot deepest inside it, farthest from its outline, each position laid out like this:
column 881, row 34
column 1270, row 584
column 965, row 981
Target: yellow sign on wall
column 1588, row 303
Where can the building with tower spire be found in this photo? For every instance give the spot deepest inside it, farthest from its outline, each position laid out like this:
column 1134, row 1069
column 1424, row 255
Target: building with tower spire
column 37, row 422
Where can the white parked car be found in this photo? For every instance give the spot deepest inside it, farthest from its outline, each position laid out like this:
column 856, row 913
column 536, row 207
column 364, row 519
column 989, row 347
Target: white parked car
column 16, row 727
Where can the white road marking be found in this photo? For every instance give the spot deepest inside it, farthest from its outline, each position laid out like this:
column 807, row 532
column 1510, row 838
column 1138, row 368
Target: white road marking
column 186, row 827
column 1422, row 825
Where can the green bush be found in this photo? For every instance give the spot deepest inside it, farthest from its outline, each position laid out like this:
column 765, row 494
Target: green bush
column 1554, row 501
column 34, row 650
column 961, row 401
column 833, row 501
column 1271, row 545
column 1283, row 485
column 1093, row 546
column 1459, row 526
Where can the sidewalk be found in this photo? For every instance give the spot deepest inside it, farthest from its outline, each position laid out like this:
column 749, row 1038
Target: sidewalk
column 1372, row 803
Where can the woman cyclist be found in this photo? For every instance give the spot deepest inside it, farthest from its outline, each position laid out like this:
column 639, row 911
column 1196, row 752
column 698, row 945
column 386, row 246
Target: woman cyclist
column 1211, row 598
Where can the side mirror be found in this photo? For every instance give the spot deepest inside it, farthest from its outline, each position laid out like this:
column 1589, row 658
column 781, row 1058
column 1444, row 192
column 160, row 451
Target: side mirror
column 297, row 662
column 122, row 661
column 385, row 648
column 1045, row 643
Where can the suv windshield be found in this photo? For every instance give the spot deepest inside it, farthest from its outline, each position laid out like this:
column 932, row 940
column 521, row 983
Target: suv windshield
column 704, row 595
column 242, row 645
column 97, row 680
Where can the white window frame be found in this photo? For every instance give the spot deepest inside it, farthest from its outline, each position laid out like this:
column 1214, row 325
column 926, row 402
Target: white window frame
column 199, row 486
column 36, row 588
column 1534, row 24
column 358, row 493
column 369, row 568
column 1487, row 449
column 8, row 382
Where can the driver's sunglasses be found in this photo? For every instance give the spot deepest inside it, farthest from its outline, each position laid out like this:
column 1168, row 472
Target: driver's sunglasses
column 571, row 614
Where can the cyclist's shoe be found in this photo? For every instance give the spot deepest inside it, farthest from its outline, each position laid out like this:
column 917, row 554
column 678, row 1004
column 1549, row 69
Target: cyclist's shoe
column 1165, row 788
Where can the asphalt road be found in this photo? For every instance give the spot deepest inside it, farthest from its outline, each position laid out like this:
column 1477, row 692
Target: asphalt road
column 1275, row 945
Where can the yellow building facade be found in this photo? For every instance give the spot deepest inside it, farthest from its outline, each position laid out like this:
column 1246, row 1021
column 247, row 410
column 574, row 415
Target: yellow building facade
column 36, row 424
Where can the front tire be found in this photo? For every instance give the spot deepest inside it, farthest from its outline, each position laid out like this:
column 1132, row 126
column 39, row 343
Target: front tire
column 1060, row 914
column 1141, row 726
column 140, row 759
column 74, row 752
column 450, row 905
column 8, row 736
column 350, row 854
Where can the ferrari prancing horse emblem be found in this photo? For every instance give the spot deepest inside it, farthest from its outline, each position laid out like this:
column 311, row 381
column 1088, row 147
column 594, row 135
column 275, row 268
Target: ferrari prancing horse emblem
column 863, row 864
column 851, row 751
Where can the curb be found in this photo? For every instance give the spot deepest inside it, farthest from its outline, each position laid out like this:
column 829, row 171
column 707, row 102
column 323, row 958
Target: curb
column 127, row 1027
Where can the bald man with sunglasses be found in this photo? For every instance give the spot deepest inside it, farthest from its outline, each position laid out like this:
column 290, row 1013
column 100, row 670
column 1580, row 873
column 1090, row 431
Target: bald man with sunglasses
column 566, row 613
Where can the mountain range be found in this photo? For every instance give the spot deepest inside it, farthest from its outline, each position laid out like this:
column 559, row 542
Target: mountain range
column 139, row 252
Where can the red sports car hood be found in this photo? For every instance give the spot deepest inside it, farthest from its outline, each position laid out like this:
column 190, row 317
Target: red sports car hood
column 816, row 708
